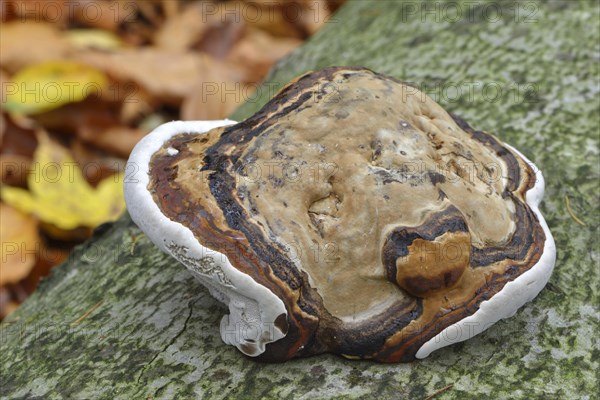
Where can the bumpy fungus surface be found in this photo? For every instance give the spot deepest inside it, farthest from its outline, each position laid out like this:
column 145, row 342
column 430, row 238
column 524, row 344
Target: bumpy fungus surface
column 376, row 217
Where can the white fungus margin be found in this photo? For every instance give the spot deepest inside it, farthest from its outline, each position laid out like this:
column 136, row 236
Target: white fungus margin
column 253, row 308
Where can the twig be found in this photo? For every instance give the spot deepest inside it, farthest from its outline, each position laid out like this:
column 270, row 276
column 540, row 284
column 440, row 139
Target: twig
column 568, row 204
column 84, row 316
column 442, row 390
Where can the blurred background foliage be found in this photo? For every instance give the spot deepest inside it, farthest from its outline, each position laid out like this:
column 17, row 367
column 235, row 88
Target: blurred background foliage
column 82, row 81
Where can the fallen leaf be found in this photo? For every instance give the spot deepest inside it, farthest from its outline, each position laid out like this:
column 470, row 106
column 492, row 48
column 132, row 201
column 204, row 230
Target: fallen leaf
column 22, row 121
column 14, row 169
column 12, row 294
column 49, row 85
column 165, row 74
column 7, row 13
column 16, row 152
column 4, row 79
column 278, row 18
column 118, row 140
column 149, row 9
column 333, row 5
column 20, row 242
column 106, row 15
column 56, row 12
column 58, row 193
column 180, row 32
column 24, row 43
column 7, row 304
column 218, row 40
column 215, row 96
column 93, row 38
column 95, row 164
column 215, row 100
column 2, row 126
column 98, row 123
column 170, row 8
column 136, row 104
column 258, row 51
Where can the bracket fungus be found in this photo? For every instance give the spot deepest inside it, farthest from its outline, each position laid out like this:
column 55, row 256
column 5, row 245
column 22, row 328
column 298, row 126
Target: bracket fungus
column 350, row 215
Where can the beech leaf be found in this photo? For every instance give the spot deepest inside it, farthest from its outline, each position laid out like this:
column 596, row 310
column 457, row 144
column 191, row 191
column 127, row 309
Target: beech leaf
column 49, row 85
column 59, row 194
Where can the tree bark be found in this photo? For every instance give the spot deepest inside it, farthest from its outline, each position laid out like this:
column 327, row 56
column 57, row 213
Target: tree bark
column 121, row 320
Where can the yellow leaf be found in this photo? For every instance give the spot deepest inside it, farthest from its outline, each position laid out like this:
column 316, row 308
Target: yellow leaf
column 60, row 195
column 49, row 85
column 94, row 38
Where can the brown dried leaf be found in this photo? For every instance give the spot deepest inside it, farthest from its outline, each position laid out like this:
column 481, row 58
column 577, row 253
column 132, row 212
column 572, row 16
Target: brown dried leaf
column 216, row 95
column 136, row 103
column 219, row 38
column 17, row 149
column 103, row 14
column 14, row 169
column 4, row 82
column 149, row 9
column 289, row 18
column 95, row 122
column 7, row 304
column 165, row 74
column 181, row 32
column 2, row 126
column 19, row 237
column 258, row 51
column 215, row 100
column 96, row 165
column 118, row 139
column 56, row 12
column 42, row 42
column 170, row 8
column 278, row 18
column 71, row 117
column 333, row 5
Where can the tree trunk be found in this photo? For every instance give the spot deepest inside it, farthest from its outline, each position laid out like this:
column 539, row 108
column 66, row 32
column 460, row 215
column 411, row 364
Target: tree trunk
column 120, row 319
